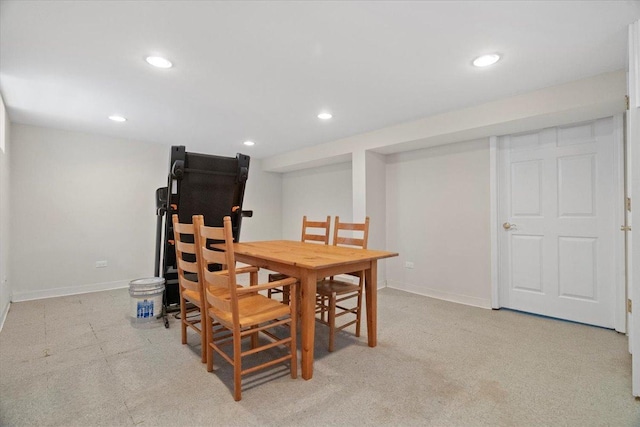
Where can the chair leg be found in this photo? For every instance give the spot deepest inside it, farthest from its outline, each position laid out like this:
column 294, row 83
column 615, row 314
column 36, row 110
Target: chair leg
column 237, row 365
column 204, row 326
column 286, row 295
column 293, row 346
column 359, row 313
column 183, row 320
column 209, row 349
column 323, row 303
column 254, row 338
column 332, row 320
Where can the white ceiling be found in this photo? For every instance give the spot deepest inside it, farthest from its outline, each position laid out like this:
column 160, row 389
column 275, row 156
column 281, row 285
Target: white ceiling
column 264, row 70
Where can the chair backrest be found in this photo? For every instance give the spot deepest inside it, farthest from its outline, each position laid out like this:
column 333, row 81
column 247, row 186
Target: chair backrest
column 319, row 230
column 226, row 278
column 351, row 234
column 187, row 257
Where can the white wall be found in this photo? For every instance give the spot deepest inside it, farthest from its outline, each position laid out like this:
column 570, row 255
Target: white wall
column 316, row 193
column 5, row 146
column 76, row 199
column 263, row 195
column 435, row 210
column 438, row 218
column 79, row 198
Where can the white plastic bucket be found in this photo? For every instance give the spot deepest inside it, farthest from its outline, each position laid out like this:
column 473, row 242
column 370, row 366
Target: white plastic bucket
column 146, row 298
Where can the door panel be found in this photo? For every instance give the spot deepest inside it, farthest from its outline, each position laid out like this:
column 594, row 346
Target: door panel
column 576, row 134
column 577, row 267
column 526, row 189
column 526, row 263
column 576, row 186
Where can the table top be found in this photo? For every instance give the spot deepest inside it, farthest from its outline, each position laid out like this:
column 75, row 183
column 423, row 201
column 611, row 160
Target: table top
column 307, row 255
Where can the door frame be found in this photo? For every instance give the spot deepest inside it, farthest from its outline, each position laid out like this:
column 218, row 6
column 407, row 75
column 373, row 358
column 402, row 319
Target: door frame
column 633, row 126
column 620, row 322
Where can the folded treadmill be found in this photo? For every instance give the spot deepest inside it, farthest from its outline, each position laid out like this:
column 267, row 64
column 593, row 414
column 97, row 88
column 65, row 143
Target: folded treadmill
column 198, row 184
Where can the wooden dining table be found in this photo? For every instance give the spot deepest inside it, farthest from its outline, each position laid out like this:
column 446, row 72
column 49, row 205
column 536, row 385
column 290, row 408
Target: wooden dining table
column 309, row 262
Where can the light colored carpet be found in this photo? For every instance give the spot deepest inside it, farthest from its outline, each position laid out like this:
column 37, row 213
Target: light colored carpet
column 79, row 361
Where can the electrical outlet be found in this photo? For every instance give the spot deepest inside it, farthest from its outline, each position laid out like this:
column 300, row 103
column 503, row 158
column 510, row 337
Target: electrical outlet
column 101, row 264
column 408, row 264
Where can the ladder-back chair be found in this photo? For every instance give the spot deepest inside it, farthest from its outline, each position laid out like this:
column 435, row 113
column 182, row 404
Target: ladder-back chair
column 312, row 231
column 240, row 312
column 332, row 293
column 189, row 283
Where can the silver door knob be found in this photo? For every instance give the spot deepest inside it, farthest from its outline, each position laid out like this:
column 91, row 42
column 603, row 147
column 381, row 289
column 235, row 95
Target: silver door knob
column 508, row 226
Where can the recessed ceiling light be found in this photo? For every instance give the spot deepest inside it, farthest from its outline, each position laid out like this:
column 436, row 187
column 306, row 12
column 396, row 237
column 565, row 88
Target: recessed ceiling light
column 117, row 118
column 160, row 62
column 324, row 116
column 249, row 143
column 486, row 60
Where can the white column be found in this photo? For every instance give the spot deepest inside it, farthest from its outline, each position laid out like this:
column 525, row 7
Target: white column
column 359, row 183
column 369, row 199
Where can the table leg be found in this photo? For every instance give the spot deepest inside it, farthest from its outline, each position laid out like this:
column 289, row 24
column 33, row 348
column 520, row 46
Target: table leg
column 308, row 285
column 371, row 289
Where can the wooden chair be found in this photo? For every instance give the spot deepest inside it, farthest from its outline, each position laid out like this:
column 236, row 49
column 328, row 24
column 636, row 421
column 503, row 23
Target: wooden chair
column 312, row 231
column 332, row 293
column 240, row 312
column 189, row 283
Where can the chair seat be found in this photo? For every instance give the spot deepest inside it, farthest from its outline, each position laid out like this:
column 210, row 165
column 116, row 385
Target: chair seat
column 339, row 287
column 253, row 310
column 194, row 296
column 274, row 277
column 331, row 293
column 233, row 313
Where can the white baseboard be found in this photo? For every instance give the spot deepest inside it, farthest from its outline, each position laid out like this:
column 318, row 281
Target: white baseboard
column 446, row 296
column 71, row 290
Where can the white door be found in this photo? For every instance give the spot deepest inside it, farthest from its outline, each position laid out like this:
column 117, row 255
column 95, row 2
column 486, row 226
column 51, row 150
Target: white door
column 557, row 189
